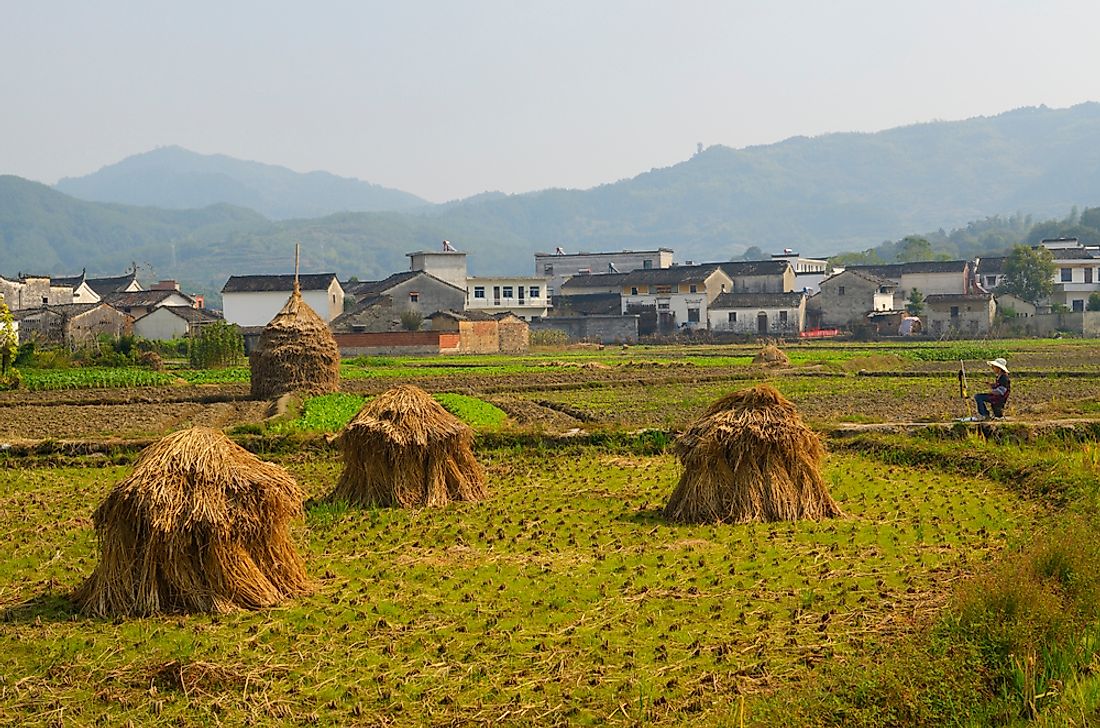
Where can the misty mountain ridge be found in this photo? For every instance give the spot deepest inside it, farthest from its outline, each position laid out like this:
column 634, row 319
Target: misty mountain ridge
column 176, row 178
column 821, row 195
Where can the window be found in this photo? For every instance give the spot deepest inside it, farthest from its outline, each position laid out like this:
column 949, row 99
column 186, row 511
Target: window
column 1088, row 275
column 840, row 290
column 548, row 269
column 633, row 290
column 991, row 281
column 520, row 290
column 533, row 291
column 693, row 288
column 496, row 294
column 414, row 297
column 508, row 291
column 1067, row 275
column 954, row 312
column 1078, row 304
column 662, row 305
column 693, row 315
column 45, row 300
column 732, row 317
column 647, row 263
column 782, row 317
column 664, row 289
column 479, row 291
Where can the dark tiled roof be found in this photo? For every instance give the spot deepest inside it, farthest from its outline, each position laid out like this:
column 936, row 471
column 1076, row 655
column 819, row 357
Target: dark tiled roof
column 189, row 314
column 1074, row 254
column 131, row 299
column 103, row 286
column 376, row 288
column 991, row 265
column 933, row 298
column 670, row 276
column 758, row 300
column 869, row 277
column 279, row 283
column 588, row 304
column 465, row 315
column 71, row 281
column 894, row 271
column 597, row 280
column 63, row 309
column 742, row 268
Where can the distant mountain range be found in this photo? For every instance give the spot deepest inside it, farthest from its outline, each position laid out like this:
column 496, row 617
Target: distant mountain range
column 820, row 195
column 179, row 179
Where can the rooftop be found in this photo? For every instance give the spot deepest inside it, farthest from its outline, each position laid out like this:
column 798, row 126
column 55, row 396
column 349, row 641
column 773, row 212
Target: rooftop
column 758, row 300
column 277, row 283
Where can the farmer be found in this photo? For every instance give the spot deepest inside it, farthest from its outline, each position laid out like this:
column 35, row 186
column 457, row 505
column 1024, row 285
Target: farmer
column 998, row 393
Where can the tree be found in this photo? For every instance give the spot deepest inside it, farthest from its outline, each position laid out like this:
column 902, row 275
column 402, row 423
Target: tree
column 411, row 320
column 219, row 344
column 1029, row 273
column 1094, row 302
column 915, row 303
column 753, row 252
column 914, row 249
column 9, row 341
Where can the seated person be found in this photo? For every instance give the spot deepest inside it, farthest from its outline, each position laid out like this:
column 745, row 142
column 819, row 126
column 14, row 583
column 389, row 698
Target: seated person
column 998, row 393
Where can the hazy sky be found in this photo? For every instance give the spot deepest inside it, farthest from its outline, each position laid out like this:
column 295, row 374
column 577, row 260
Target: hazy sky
column 447, row 99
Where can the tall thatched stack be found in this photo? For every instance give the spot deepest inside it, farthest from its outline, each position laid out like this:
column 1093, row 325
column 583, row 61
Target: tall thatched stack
column 750, row 458
column 296, row 353
column 404, row 449
column 200, row 525
column 771, row 356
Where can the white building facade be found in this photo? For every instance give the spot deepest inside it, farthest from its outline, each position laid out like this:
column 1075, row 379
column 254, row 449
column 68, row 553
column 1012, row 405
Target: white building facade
column 254, row 300
column 523, row 296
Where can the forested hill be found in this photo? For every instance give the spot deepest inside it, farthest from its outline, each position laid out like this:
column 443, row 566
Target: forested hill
column 839, row 192
column 176, row 178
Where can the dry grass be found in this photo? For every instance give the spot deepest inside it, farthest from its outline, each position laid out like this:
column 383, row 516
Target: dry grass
column 750, row 458
column 296, row 353
column 771, row 356
column 200, row 525
column 404, row 449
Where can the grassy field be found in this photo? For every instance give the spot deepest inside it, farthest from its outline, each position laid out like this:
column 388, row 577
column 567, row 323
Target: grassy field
column 564, row 597
column 962, row 586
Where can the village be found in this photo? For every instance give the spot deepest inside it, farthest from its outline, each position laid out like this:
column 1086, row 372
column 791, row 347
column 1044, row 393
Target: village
column 437, row 307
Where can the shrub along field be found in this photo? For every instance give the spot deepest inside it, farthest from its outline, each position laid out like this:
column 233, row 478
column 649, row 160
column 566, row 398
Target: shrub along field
column 962, row 586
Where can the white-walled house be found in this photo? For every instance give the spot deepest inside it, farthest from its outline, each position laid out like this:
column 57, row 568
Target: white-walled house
column 522, row 296
column 678, row 296
column 254, row 300
column 765, row 314
column 172, row 322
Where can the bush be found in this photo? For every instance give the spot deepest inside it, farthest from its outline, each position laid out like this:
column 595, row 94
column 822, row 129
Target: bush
column 411, row 320
column 549, row 337
column 218, row 345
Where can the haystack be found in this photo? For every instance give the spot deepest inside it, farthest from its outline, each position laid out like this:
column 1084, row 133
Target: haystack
column 296, row 353
column 750, row 458
column 404, row 449
column 200, row 525
column 771, row 356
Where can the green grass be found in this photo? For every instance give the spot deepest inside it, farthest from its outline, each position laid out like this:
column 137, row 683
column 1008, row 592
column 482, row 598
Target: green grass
column 93, row 378
column 564, row 597
column 331, row 412
column 215, row 376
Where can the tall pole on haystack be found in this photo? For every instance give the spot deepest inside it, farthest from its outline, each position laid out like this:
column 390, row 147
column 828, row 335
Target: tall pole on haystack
column 297, row 251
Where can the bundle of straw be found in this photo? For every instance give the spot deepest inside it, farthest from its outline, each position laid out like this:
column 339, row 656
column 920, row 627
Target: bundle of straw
column 750, row 458
column 200, row 525
column 404, row 449
column 296, row 353
column 771, row 356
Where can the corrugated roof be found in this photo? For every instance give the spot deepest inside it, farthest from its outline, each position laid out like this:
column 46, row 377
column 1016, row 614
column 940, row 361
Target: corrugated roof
column 278, row 283
column 758, row 300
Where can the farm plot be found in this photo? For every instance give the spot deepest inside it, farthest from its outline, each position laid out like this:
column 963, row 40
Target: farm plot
column 565, row 597
column 826, row 399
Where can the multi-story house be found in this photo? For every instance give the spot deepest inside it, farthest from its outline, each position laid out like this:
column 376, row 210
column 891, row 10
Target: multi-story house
column 676, row 297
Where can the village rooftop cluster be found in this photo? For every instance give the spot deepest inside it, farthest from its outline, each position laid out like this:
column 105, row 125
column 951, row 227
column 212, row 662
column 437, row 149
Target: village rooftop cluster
column 611, row 297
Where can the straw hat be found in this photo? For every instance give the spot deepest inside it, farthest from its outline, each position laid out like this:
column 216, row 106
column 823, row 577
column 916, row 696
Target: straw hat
column 1000, row 363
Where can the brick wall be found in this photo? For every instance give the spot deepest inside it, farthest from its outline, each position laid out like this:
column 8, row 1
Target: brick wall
column 605, row 329
column 479, row 337
column 398, row 342
column 515, row 336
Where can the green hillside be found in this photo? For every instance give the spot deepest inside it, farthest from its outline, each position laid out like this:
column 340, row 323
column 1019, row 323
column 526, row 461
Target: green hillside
column 839, row 192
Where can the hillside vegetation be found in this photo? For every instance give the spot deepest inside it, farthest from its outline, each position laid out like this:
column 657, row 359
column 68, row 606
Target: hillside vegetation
column 839, row 192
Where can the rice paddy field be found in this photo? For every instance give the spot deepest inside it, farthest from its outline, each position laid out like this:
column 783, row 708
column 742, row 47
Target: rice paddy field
column 961, row 586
